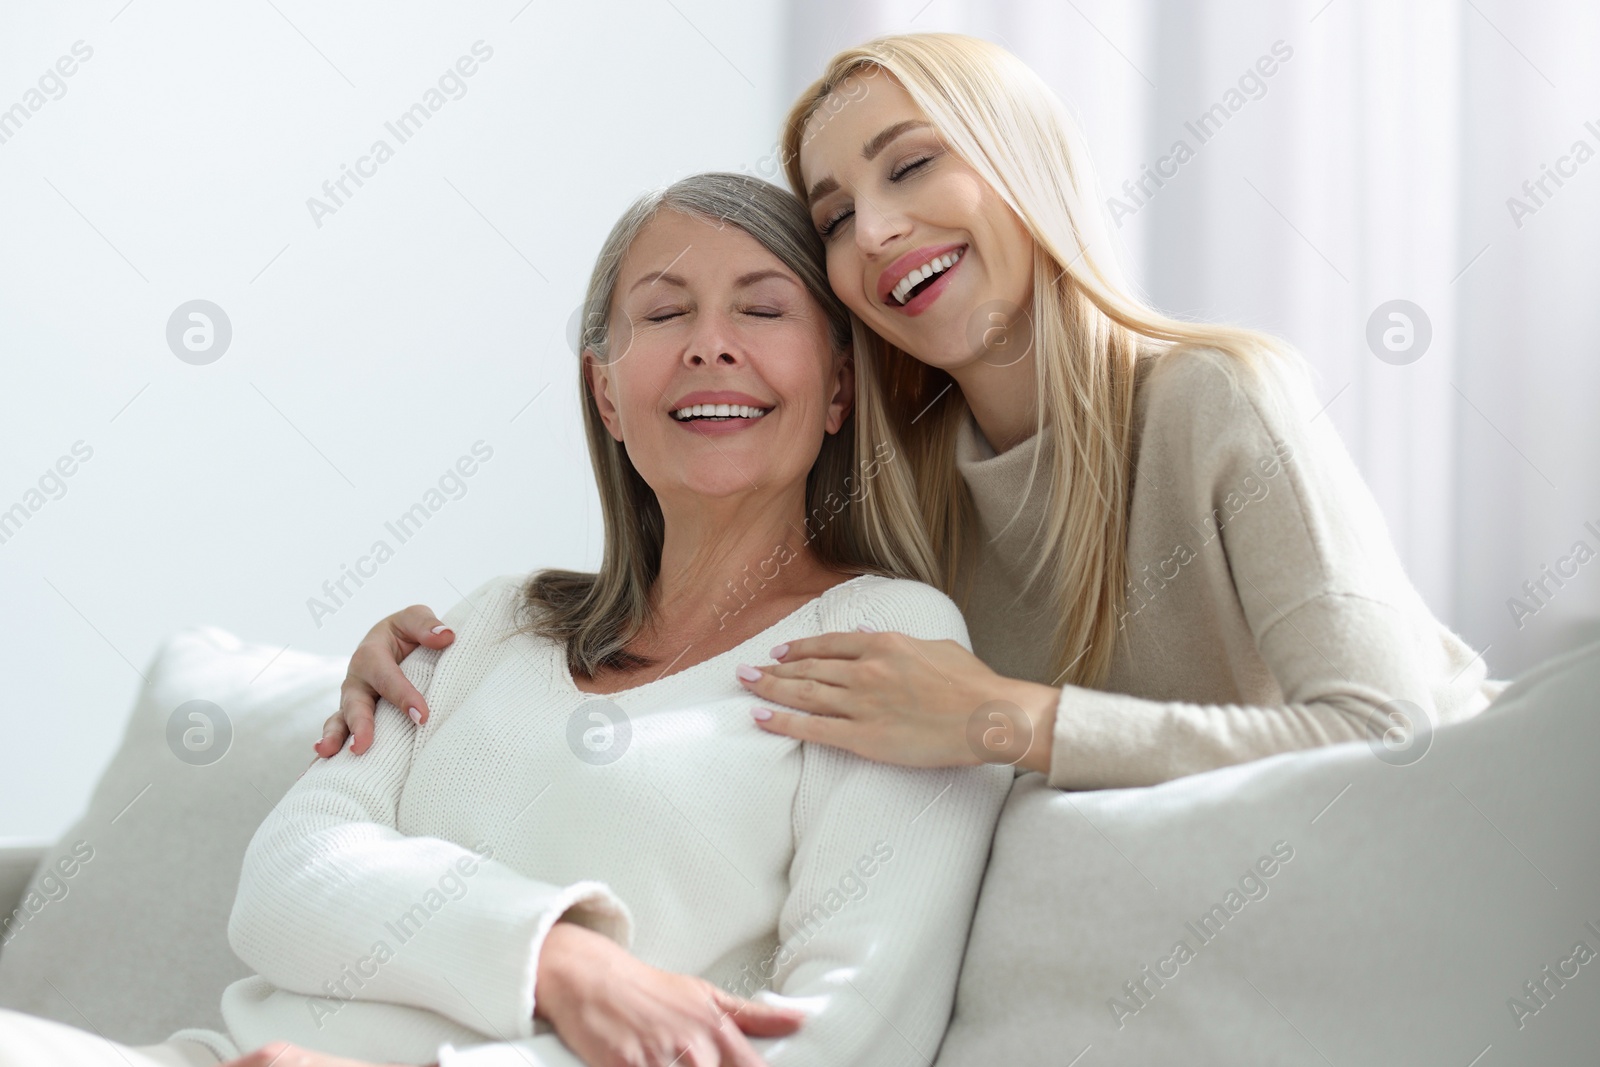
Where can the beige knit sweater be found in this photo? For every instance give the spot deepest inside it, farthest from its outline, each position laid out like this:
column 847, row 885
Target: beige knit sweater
column 1267, row 610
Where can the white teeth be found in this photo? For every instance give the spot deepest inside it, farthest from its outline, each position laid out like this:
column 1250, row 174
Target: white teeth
column 937, row 265
column 723, row 411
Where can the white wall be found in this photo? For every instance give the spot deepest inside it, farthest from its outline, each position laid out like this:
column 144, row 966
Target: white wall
column 368, row 353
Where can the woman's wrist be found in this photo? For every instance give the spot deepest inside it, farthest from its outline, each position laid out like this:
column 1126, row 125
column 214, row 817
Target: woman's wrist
column 1038, row 703
column 560, row 967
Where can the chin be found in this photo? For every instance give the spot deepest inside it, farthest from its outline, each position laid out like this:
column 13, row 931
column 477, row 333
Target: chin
column 716, row 484
column 945, row 357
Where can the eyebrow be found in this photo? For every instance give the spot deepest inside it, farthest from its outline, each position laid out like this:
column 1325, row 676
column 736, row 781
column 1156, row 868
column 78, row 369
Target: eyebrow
column 762, row 275
column 739, row 283
column 659, row 276
column 869, row 152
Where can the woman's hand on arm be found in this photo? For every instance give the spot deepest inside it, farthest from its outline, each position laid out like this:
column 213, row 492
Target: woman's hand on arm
column 613, row 1010
column 375, row 672
column 896, row 699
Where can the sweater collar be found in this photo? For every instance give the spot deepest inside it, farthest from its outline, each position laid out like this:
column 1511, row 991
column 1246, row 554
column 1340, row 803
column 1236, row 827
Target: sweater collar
column 998, row 483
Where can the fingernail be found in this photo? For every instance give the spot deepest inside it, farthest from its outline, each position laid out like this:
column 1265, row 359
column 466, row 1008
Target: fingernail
column 864, row 628
column 760, row 714
column 780, row 651
column 748, row 673
column 439, row 629
column 416, row 716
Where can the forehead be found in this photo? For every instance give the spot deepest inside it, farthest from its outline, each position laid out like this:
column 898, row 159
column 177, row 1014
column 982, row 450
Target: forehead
column 691, row 246
column 847, row 118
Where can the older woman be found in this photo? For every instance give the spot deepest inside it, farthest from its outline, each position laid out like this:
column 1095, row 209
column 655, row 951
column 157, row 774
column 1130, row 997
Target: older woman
column 586, row 849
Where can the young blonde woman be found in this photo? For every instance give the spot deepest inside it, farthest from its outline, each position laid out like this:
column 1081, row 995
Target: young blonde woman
column 587, row 855
column 1167, row 561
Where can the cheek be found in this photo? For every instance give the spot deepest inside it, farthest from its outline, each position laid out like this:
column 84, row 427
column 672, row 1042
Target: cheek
column 844, row 276
column 799, row 371
column 952, row 197
column 966, row 196
column 1013, row 243
column 638, row 381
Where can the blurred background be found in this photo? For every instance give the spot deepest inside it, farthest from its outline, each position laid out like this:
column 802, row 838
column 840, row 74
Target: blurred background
column 1435, row 160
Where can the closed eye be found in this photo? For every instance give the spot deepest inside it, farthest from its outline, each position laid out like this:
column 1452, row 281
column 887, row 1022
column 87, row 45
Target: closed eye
column 833, row 222
column 907, row 167
column 662, row 316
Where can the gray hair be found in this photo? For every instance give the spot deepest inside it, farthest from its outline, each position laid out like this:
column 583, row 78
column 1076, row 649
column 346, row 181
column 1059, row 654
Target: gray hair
column 772, row 216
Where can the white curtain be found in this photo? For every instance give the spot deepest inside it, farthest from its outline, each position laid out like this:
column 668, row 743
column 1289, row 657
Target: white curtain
column 1343, row 155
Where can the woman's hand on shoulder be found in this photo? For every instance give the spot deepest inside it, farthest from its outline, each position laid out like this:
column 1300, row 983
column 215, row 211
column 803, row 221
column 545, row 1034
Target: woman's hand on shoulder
column 897, row 699
column 375, row 672
column 614, row 1010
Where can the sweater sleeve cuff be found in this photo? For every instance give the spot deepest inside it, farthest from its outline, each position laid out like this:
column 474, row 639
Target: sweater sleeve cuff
column 588, row 904
column 494, row 977
column 1103, row 740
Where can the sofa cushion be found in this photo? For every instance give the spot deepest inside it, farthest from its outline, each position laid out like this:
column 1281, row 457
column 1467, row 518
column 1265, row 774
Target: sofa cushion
column 123, row 928
column 1331, row 906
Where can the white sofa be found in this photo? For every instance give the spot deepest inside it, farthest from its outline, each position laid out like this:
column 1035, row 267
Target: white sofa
column 1385, row 907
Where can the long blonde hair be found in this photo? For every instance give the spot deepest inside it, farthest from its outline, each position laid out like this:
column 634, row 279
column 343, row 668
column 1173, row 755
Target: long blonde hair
column 1090, row 331
column 861, row 507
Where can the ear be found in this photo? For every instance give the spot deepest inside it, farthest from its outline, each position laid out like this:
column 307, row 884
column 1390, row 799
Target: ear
column 598, row 374
column 843, row 400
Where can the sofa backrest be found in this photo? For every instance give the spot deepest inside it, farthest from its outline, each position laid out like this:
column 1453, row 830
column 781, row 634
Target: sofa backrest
column 1352, row 904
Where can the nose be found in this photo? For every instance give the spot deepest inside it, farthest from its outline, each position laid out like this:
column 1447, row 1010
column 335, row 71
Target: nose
column 713, row 343
column 878, row 227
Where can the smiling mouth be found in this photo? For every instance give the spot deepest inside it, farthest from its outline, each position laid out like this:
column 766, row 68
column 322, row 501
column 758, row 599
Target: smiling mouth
column 718, row 412
column 924, row 276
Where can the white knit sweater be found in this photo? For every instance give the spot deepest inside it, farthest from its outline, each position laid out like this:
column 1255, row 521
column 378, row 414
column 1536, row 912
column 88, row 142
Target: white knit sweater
column 395, row 902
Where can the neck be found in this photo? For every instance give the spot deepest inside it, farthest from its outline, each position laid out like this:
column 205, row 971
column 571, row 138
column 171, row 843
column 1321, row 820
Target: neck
column 1003, row 397
column 720, row 556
